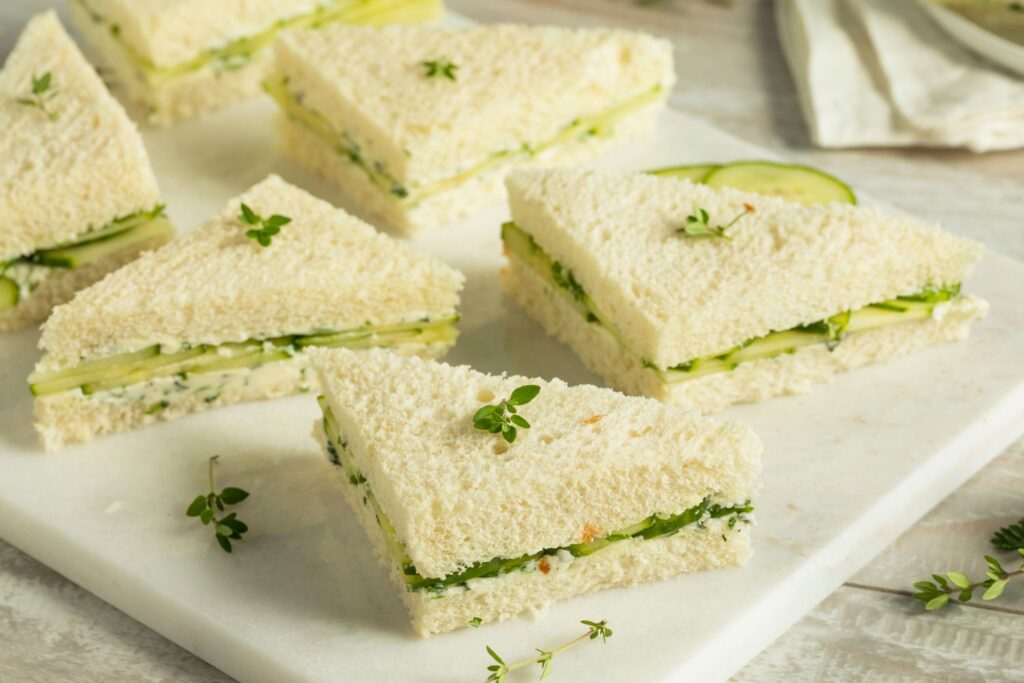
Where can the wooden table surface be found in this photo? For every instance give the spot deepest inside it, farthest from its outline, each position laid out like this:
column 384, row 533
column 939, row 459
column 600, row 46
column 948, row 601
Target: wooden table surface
column 731, row 73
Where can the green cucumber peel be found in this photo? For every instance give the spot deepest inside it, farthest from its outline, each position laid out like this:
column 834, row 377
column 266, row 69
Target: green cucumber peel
column 830, row 331
column 151, row 363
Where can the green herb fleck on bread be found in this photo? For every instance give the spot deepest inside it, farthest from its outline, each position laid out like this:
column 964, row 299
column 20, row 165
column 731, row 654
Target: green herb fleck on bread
column 502, row 418
column 264, row 228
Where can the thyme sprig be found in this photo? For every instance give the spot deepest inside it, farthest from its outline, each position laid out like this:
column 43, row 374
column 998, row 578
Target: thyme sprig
column 937, row 593
column 205, row 507
column 543, row 658
column 264, row 228
column 43, row 92
column 502, row 417
column 1009, row 537
column 697, row 224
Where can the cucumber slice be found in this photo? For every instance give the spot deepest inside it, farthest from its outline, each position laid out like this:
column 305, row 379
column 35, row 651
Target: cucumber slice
column 114, row 227
column 9, row 293
column 796, row 183
column 162, row 365
column 426, row 332
column 245, row 360
column 149, row 363
column 42, row 383
column 893, row 312
column 96, row 249
column 696, row 173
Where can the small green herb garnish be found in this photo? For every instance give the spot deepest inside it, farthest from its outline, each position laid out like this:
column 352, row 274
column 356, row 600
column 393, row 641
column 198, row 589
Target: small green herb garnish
column 440, row 68
column 502, row 418
column 228, row 528
column 697, row 223
column 564, row 278
column 475, row 622
column 936, row 594
column 1009, row 537
column 265, row 228
column 500, row 670
column 43, row 93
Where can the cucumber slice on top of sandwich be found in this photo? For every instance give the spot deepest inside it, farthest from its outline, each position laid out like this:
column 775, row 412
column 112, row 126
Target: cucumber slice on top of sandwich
column 695, row 173
column 802, row 184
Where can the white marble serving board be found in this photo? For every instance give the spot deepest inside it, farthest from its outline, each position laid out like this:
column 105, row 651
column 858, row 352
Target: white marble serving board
column 847, row 468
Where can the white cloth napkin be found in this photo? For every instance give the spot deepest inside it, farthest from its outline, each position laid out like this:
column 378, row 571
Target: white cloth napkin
column 879, row 72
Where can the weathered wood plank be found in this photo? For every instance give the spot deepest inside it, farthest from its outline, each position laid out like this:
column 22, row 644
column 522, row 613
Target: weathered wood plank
column 860, row 635
column 955, row 535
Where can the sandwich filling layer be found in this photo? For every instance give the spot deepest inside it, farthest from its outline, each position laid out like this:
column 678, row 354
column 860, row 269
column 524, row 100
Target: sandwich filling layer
column 20, row 276
column 655, row 526
column 239, row 52
column 830, row 332
column 600, row 124
column 115, row 375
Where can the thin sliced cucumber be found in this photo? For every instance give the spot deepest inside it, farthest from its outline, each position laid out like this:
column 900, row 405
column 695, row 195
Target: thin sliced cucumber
column 245, row 360
column 347, row 461
column 590, row 547
column 130, row 368
column 94, row 250
column 164, row 365
column 438, row 334
column 42, row 383
column 796, row 183
column 114, row 227
column 9, row 293
column 334, row 339
column 893, row 312
column 696, row 173
column 423, row 332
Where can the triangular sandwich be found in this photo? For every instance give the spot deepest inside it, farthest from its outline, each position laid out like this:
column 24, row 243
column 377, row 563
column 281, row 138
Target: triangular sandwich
column 179, row 59
column 80, row 199
column 480, row 513
column 418, row 125
column 226, row 312
column 640, row 276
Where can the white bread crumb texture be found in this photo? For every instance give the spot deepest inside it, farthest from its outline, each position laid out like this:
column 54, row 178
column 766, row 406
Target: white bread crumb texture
column 785, row 264
column 169, row 32
column 593, row 459
column 623, row 563
column 371, row 84
column 749, row 382
column 479, row 192
column 180, row 98
column 59, row 286
column 325, row 270
column 79, row 171
column 70, row 417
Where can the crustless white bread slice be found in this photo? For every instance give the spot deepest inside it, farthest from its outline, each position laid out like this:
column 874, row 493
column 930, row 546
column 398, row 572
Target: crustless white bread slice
column 418, row 125
column 71, row 162
column 793, row 295
column 177, row 58
column 602, row 490
column 215, row 317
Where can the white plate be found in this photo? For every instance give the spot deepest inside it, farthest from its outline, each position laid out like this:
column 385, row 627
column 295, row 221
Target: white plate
column 847, row 468
column 977, row 39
